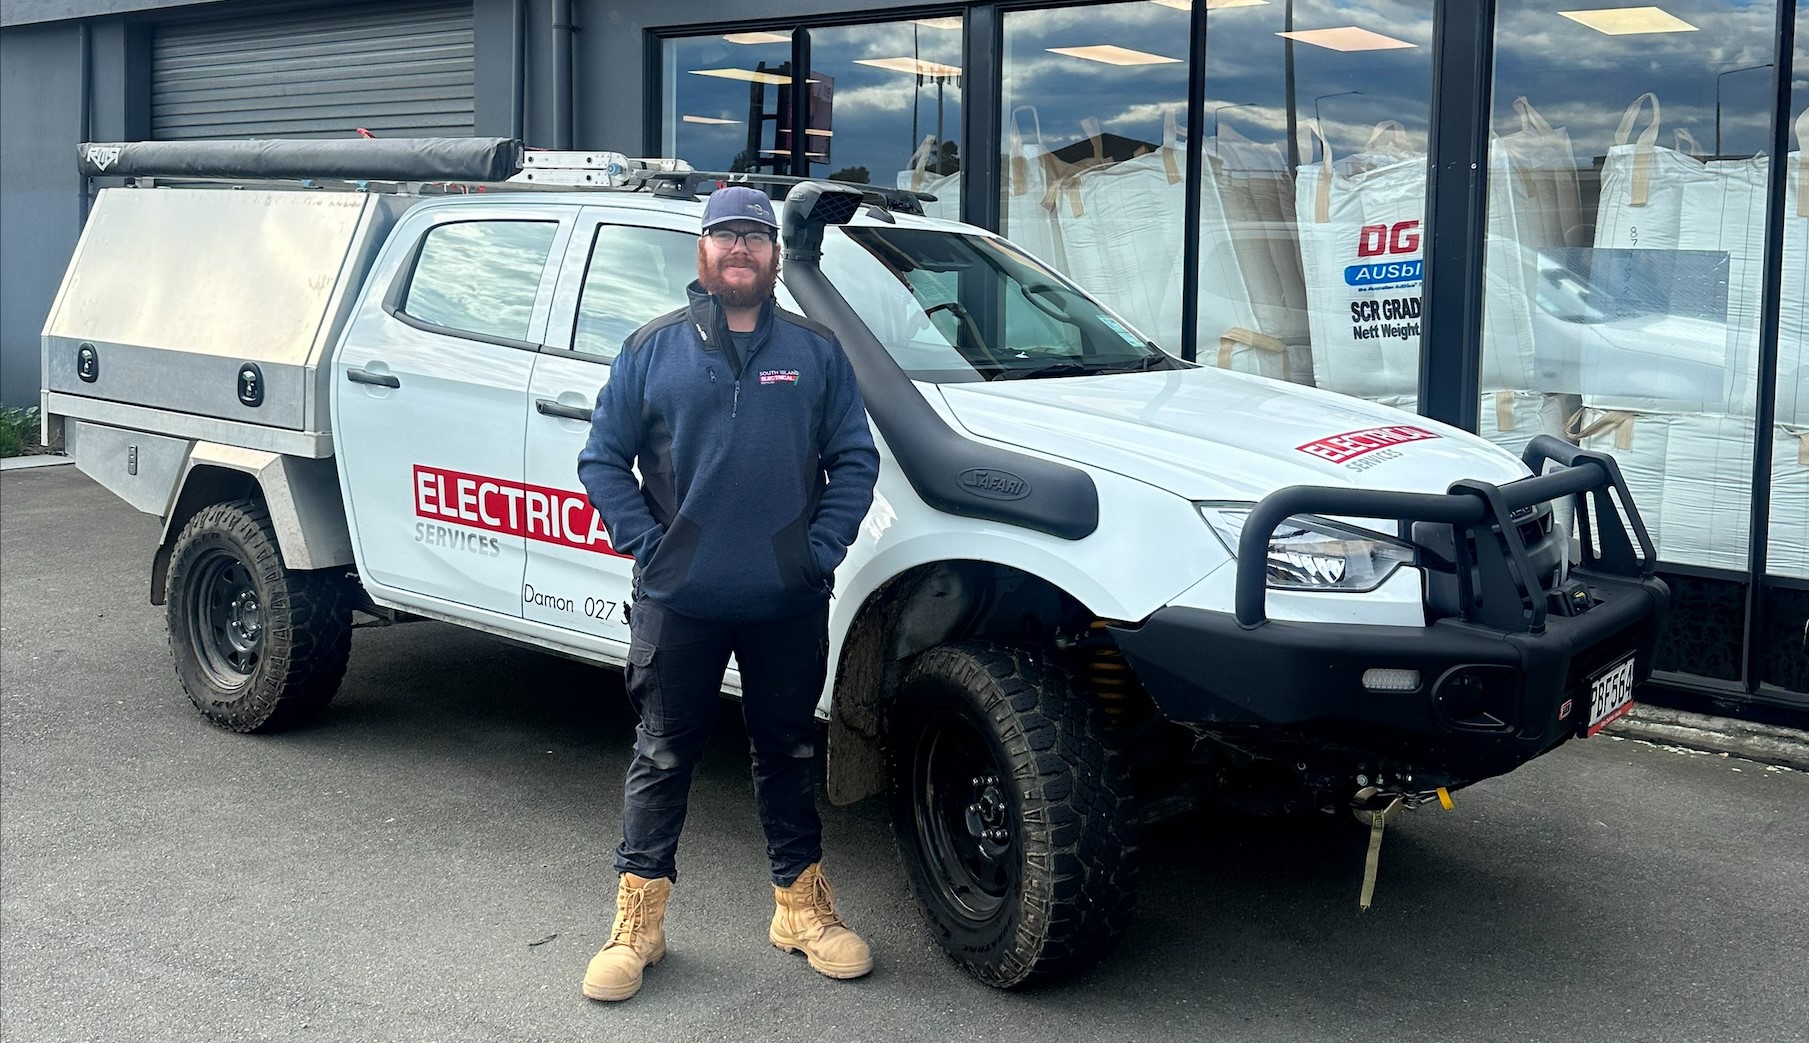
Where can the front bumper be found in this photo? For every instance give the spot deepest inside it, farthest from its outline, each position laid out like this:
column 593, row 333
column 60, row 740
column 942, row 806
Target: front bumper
column 1504, row 670
column 1304, row 681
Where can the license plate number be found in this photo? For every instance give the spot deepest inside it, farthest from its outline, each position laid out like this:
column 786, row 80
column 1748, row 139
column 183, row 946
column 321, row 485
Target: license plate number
column 1610, row 694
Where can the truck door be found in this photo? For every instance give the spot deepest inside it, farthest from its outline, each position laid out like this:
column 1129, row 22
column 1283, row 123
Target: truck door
column 621, row 268
column 429, row 389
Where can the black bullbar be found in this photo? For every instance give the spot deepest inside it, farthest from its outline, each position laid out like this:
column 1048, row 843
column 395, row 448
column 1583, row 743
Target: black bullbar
column 1500, row 673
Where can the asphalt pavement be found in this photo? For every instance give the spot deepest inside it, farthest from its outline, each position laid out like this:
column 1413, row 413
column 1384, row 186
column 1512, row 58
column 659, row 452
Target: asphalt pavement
column 431, row 862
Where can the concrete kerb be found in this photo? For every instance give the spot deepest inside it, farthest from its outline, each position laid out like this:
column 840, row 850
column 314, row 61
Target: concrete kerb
column 13, row 463
column 1765, row 743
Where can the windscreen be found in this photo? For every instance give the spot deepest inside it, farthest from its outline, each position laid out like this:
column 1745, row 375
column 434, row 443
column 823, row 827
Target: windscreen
column 951, row 307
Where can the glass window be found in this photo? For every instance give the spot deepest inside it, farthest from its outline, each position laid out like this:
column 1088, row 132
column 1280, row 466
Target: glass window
column 1094, row 159
column 967, row 307
column 480, row 276
column 727, row 99
column 885, row 107
column 1785, row 637
column 1313, row 192
column 633, row 275
column 1625, row 246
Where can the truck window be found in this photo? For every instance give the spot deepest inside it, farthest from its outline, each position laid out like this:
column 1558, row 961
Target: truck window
column 634, row 274
column 951, row 308
column 480, row 276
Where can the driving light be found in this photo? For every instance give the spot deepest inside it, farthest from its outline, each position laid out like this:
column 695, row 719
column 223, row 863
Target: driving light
column 1307, row 552
column 1391, row 679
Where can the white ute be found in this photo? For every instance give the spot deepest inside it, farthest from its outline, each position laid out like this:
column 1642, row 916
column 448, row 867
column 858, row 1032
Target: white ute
column 1097, row 583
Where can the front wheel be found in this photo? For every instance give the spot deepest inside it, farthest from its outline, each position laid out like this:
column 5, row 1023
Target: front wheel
column 1015, row 818
column 256, row 645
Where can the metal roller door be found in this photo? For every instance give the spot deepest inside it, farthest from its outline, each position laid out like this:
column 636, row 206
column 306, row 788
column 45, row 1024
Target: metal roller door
column 398, row 69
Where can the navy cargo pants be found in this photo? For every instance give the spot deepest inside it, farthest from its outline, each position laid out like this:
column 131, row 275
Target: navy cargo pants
column 675, row 668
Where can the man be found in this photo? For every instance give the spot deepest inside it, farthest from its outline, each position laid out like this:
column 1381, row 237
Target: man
column 735, row 411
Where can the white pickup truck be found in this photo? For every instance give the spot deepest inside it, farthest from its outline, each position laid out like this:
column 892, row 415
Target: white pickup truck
column 1096, row 580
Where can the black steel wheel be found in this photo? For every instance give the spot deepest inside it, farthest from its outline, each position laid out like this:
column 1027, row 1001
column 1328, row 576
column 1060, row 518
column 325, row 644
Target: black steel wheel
column 256, row 646
column 1014, row 816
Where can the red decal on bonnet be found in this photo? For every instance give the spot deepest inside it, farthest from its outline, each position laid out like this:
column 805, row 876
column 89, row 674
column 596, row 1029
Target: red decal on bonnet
column 1352, row 444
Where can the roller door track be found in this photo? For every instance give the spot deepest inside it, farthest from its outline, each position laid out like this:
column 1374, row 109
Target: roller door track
column 397, row 69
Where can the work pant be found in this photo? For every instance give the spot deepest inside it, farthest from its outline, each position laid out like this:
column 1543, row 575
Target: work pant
column 675, row 668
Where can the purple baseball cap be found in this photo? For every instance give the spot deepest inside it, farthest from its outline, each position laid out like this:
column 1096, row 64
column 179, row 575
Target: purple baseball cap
column 739, row 203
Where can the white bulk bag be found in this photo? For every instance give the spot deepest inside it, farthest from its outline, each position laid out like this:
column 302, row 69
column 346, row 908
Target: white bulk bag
column 1360, row 223
column 1793, row 316
column 1252, row 295
column 1656, row 198
column 1122, row 231
column 1544, row 171
column 1028, row 222
column 945, row 187
column 1691, row 475
column 1788, row 551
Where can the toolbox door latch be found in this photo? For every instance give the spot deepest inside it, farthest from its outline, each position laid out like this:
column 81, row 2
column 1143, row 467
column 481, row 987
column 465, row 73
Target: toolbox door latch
column 251, row 384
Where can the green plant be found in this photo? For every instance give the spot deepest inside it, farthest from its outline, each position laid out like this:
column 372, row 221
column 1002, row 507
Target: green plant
column 18, row 429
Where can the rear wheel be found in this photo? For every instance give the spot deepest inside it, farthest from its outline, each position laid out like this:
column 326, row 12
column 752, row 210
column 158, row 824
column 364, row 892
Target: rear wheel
column 1015, row 818
column 256, row 646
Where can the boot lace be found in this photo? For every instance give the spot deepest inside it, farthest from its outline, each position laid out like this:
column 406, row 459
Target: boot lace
column 822, row 903
column 631, row 913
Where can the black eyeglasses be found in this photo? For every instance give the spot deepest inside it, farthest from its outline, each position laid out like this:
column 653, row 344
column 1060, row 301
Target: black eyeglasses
column 757, row 239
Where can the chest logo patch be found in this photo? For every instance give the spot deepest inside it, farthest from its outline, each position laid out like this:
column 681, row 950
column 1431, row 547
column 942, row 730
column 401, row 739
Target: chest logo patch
column 778, row 376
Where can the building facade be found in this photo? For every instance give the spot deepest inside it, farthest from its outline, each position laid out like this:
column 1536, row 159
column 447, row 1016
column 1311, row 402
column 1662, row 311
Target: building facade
column 1520, row 216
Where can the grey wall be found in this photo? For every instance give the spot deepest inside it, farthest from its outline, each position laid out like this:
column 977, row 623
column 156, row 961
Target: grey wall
column 40, row 194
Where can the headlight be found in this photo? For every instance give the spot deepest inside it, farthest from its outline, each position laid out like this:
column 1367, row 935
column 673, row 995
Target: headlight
column 1307, row 552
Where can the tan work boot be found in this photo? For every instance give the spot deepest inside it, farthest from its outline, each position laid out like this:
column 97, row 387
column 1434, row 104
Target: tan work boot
column 806, row 921
column 637, row 940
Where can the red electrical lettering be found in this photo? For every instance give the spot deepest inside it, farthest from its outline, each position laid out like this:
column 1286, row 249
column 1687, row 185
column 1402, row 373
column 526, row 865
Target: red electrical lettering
column 1352, row 444
column 512, row 508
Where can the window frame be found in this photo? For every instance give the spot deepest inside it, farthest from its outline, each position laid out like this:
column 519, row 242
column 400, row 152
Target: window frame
column 562, row 322
column 394, row 302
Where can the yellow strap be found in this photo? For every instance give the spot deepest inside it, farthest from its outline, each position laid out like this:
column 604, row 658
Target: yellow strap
column 1444, row 799
column 921, row 159
column 1170, row 137
column 1231, row 338
column 1530, row 119
column 1802, row 448
column 1322, row 202
column 1640, row 192
column 1618, row 421
column 1802, row 164
column 1504, row 410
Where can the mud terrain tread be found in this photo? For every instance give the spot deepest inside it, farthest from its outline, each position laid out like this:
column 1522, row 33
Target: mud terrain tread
column 1077, row 820
column 307, row 635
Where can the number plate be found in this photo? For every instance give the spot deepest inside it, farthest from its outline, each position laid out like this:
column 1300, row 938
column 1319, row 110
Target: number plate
column 1610, row 694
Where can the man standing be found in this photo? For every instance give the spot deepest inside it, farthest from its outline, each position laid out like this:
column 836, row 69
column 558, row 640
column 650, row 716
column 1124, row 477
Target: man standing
column 756, row 468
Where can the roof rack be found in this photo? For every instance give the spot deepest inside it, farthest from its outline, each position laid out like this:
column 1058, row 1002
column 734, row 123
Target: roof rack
column 438, row 166
column 693, row 183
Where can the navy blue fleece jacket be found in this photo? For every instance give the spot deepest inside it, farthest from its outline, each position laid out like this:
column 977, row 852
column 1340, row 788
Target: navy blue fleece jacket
column 755, row 471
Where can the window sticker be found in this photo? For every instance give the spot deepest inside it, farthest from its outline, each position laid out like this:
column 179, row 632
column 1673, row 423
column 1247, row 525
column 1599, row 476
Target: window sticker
column 1116, row 327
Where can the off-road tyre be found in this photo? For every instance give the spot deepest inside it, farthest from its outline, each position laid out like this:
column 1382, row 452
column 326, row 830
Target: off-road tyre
column 257, row 646
column 1050, row 898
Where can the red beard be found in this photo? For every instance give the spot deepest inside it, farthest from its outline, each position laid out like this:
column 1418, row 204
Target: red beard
column 737, row 279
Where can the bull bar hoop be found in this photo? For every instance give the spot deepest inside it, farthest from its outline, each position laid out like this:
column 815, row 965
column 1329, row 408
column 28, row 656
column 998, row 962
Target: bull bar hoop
column 1497, row 584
